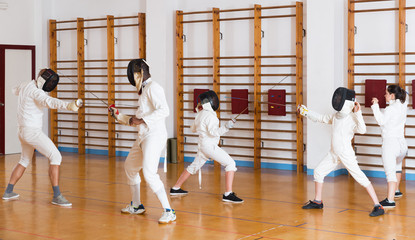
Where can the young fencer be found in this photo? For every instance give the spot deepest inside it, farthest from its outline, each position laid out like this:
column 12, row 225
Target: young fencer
column 206, row 125
column 152, row 136
column 345, row 123
column 32, row 98
column 394, row 147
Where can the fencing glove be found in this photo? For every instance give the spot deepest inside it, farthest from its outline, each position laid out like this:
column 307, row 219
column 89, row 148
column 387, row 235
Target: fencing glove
column 75, row 105
column 121, row 118
column 229, row 124
column 302, row 110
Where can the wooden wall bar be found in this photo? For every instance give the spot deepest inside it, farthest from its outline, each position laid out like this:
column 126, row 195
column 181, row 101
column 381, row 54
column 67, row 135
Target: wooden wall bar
column 299, row 84
column 216, row 58
column 400, row 74
column 53, row 65
column 110, row 83
column 142, row 35
column 350, row 51
column 183, row 93
column 81, row 85
column 179, row 86
column 257, row 86
column 402, row 36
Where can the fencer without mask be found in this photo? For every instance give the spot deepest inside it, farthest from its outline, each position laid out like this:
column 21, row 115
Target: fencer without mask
column 48, row 80
column 209, row 97
column 343, row 97
column 138, row 72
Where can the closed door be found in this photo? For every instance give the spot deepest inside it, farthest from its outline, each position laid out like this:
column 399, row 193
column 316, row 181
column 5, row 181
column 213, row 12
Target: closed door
column 16, row 66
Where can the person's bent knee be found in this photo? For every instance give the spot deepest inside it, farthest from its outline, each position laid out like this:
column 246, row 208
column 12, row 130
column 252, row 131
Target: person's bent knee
column 231, row 167
column 318, row 177
column 148, row 176
column 391, row 178
column 133, row 177
column 153, row 180
column 24, row 162
column 134, row 181
column 364, row 183
column 192, row 169
column 55, row 158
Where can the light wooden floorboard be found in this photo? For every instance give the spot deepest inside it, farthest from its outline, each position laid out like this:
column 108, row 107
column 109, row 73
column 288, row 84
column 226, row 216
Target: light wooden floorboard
column 97, row 188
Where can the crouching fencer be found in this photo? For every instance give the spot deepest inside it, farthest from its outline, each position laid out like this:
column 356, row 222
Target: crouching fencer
column 32, row 98
column 206, row 124
column 344, row 123
column 152, row 136
column 394, row 147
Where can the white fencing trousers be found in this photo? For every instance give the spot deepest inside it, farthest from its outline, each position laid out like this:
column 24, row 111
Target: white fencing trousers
column 33, row 138
column 215, row 153
column 145, row 154
column 393, row 152
column 348, row 158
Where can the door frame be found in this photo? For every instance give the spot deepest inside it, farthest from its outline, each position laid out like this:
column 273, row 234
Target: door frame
column 3, row 49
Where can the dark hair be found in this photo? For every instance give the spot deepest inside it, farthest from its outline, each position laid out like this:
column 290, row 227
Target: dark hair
column 398, row 91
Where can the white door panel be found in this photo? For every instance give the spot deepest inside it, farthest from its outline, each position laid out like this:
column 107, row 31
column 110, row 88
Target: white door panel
column 18, row 69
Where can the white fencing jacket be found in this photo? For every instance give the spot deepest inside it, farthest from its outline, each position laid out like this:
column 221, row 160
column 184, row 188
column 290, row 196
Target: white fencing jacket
column 392, row 120
column 152, row 108
column 206, row 124
column 31, row 101
column 344, row 126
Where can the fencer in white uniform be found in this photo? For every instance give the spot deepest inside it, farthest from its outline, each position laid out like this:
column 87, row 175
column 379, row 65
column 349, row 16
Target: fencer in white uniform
column 206, row 125
column 151, row 140
column 32, row 98
column 345, row 123
column 394, row 147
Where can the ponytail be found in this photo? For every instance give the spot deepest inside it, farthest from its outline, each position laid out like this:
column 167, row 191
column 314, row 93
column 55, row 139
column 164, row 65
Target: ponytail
column 398, row 91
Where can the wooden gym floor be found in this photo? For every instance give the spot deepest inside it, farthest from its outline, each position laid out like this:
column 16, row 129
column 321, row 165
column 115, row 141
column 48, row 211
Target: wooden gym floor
column 272, row 207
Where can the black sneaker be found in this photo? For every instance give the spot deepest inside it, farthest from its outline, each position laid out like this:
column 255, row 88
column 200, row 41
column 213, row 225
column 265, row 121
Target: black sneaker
column 398, row 194
column 232, row 198
column 386, row 204
column 178, row 192
column 313, row 205
column 377, row 211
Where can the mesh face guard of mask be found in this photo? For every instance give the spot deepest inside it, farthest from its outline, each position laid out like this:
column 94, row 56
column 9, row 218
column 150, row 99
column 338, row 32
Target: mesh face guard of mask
column 340, row 96
column 48, row 80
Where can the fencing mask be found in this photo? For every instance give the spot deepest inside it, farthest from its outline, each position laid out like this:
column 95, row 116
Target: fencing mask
column 340, row 96
column 138, row 71
column 209, row 97
column 48, row 80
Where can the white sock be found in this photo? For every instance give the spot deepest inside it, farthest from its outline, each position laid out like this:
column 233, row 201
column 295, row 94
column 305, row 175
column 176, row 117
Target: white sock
column 135, row 194
column 227, row 193
column 176, row 188
column 162, row 196
column 390, row 201
column 397, row 190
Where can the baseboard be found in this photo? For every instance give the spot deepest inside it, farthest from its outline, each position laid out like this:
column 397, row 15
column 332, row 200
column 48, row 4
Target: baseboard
column 241, row 163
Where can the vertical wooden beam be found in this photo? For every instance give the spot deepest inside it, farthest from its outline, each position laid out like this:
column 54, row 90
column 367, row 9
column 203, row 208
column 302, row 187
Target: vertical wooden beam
column 110, row 82
column 216, row 60
column 402, row 33
column 257, row 87
column 81, row 85
column 179, row 86
column 402, row 70
column 299, row 83
column 53, row 65
column 350, row 52
column 142, row 35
